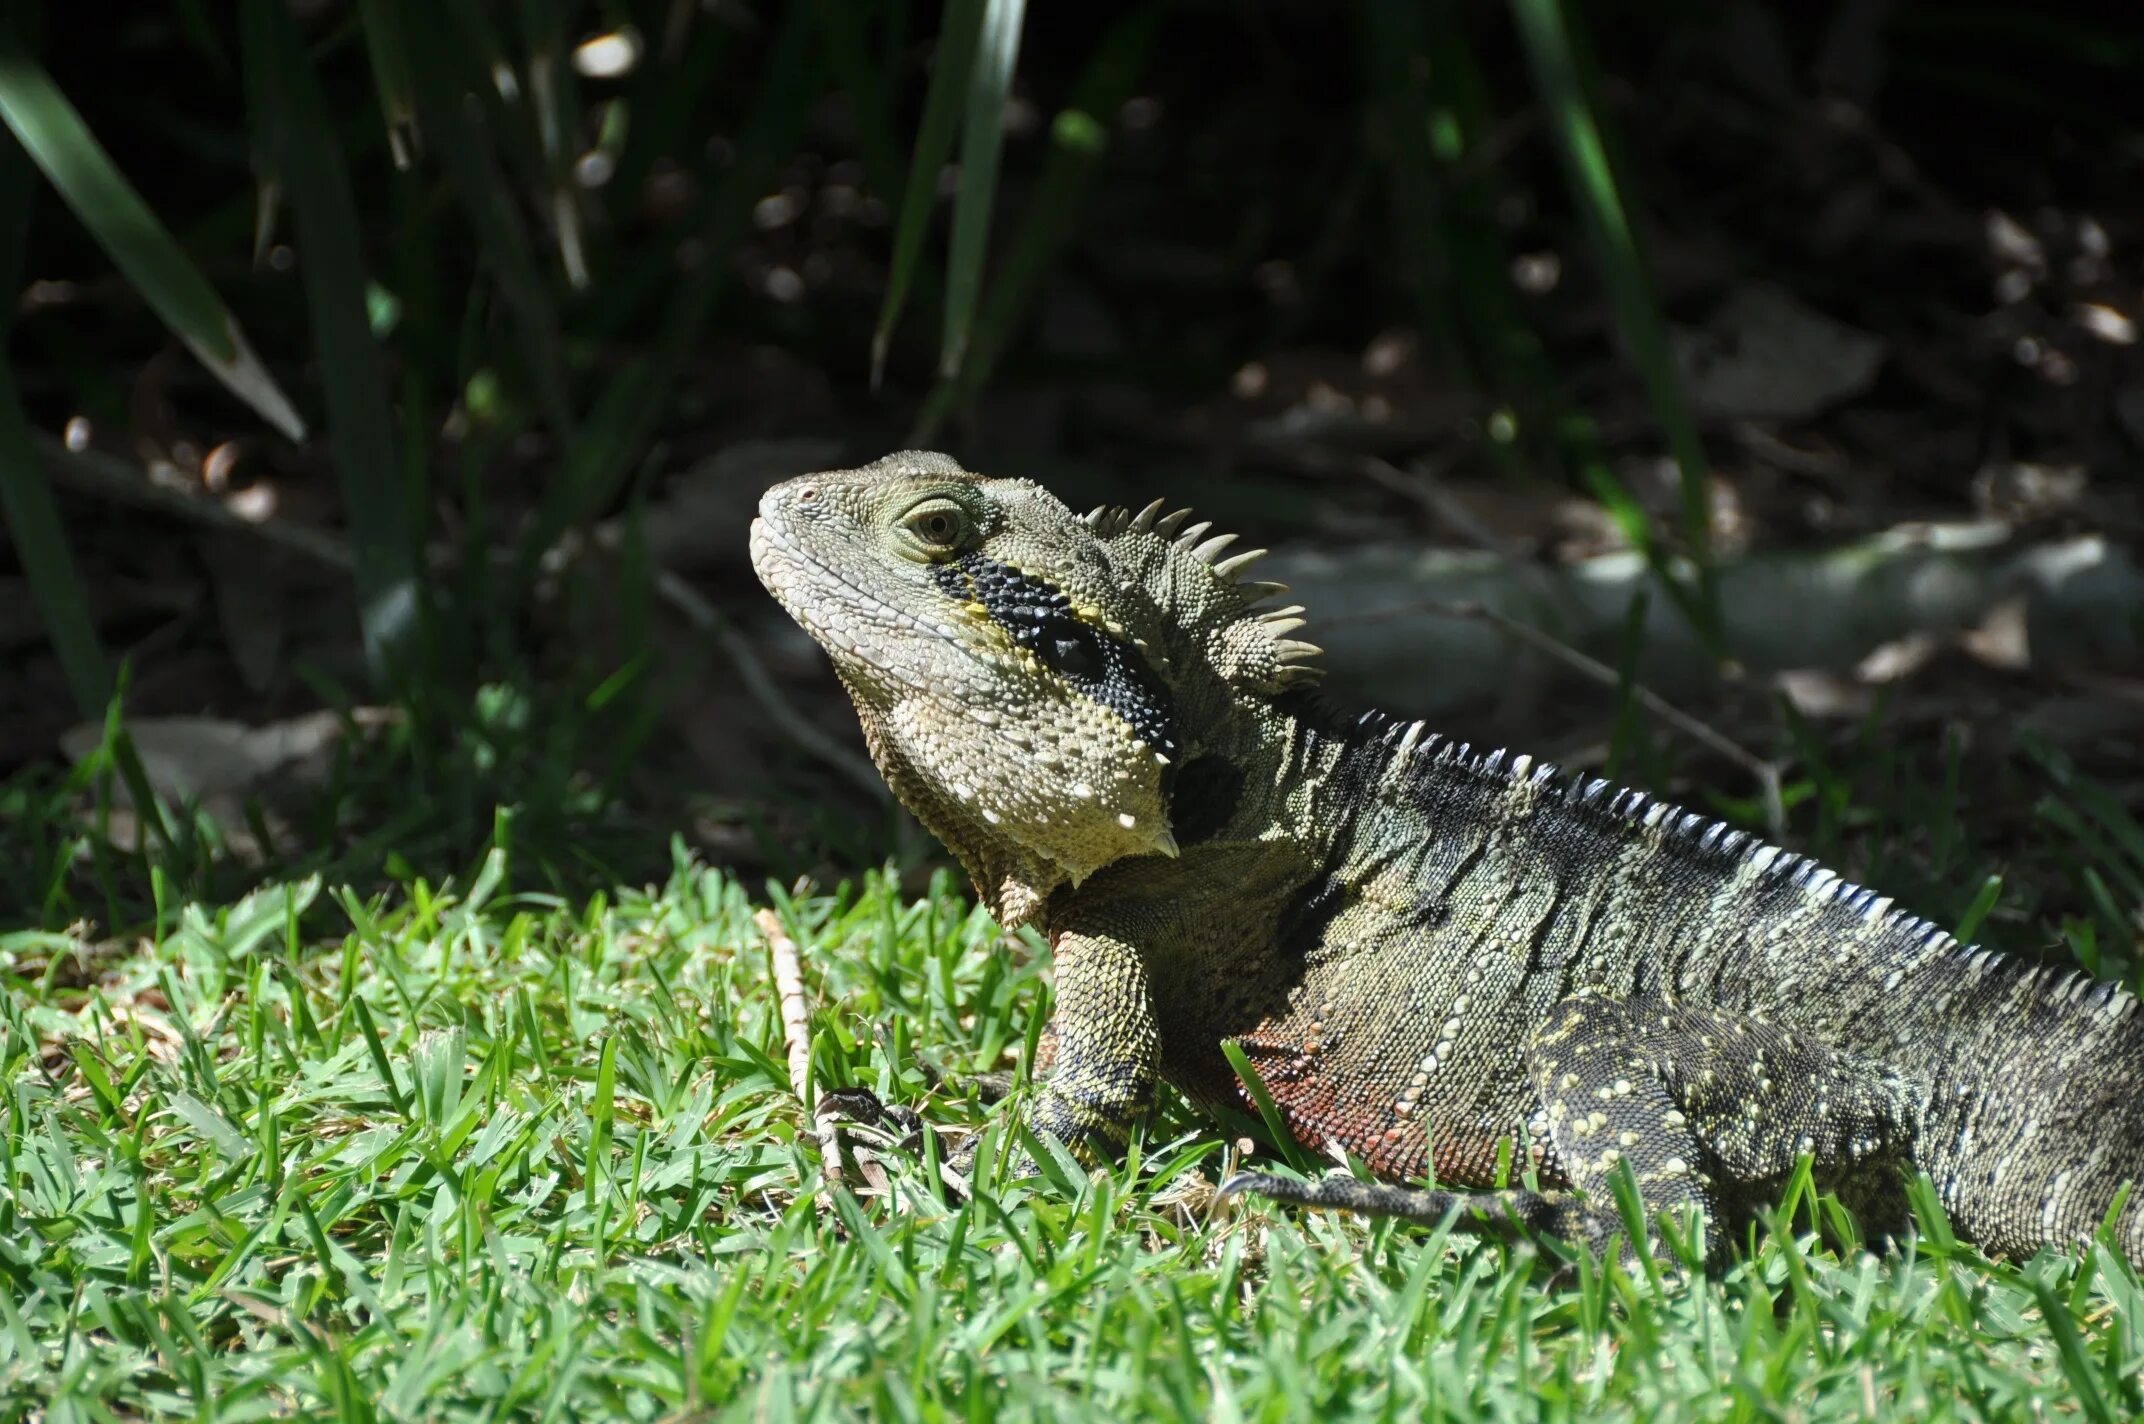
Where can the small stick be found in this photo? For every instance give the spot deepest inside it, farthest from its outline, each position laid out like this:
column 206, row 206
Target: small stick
column 1766, row 773
column 796, row 1038
column 104, row 476
column 1422, row 484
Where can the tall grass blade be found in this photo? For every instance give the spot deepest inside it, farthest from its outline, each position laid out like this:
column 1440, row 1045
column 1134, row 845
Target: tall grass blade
column 843, row 31
column 1394, row 37
column 664, row 97
column 555, row 105
column 296, row 129
column 982, row 141
column 26, row 508
column 61, row 145
column 384, row 46
column 957, row 35
column 2070, row 1349
column 615, row 437
column 460, row 134
column 1553, row 47
column 41, row 546
column 1079, row 138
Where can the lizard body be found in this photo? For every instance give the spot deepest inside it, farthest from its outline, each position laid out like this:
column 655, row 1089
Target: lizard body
column 1426, row 951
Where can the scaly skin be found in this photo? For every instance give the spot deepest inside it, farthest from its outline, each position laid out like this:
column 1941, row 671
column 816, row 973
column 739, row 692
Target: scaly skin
column 1426, row 951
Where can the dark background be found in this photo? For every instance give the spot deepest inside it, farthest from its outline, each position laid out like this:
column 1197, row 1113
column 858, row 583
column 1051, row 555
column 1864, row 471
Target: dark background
column 1323, row 273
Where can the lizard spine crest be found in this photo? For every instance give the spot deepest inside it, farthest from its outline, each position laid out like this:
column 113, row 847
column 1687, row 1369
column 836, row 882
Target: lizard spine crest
column 1626, row 808
column 1157, row 546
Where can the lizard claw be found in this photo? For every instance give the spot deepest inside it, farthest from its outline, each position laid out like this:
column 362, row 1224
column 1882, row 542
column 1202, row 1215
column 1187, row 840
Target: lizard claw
column 866, row 1109
column 863, row 1108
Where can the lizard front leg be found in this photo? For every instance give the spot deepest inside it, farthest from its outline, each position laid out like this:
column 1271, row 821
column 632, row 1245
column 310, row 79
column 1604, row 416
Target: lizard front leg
column 1705, row 1107
column 1108, row 1048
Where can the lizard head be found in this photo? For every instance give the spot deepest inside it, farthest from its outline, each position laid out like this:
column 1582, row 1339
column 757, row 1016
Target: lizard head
column 1019, row 669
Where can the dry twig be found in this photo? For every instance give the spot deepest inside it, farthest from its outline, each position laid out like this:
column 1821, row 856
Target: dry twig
column 796, row 1039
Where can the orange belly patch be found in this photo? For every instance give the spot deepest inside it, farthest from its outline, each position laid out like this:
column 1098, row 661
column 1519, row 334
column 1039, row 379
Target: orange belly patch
column 1395, row 1141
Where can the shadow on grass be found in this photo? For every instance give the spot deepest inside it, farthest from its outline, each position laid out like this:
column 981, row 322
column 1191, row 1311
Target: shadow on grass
column 419, row 794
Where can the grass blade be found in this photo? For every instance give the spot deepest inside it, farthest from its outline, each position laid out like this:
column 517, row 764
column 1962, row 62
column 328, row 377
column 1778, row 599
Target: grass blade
column 2070, row 1350
column 555, row 105
column 26, row 508
column 1553, row 48
column 1393, row 36
column 934, row 143
column 1436, row 127
column 296, row 130
column 41, row 545
column 455, row 120
column 982, row 141
column 1268, row 1111
column 614, row 438
column 61, row 145
column 1079, row 138
column 843, row 30
column 382, row 23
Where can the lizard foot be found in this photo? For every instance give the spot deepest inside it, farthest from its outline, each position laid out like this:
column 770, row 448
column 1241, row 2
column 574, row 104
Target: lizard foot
column 1506, row 1212
column 865, row 1108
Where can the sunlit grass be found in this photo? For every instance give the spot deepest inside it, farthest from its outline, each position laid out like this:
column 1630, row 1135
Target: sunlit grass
column 453, row 1152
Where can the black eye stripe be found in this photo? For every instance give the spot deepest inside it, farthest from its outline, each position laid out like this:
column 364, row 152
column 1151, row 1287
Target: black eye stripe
column 1105, row 669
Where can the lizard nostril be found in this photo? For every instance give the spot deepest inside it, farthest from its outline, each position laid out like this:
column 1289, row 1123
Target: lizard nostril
column 808, row 495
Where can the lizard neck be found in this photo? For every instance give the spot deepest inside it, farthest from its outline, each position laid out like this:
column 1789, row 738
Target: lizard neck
column 1262, row 768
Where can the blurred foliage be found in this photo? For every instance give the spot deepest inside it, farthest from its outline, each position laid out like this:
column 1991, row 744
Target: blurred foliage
column 515, row 226
column 483, row 252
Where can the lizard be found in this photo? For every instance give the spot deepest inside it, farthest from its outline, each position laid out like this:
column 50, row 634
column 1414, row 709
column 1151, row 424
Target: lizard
column 1439, row 960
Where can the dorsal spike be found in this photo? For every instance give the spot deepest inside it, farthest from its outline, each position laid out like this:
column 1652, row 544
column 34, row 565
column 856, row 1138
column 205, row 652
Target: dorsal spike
column 1259, row 590
column 1210, row 551
column 1235, row 564
column 1143, row 521
column 1192, row 535
column 1168, row 524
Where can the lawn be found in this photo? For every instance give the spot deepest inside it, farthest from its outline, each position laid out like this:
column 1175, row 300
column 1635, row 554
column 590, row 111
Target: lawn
column 456, row 1152
column 385, row 393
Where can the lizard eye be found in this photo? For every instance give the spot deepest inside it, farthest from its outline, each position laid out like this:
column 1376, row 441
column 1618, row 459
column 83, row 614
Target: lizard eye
column 937, row 525
column 1073, row 654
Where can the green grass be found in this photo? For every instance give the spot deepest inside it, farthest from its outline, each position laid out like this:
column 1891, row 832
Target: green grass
column 458, row 1152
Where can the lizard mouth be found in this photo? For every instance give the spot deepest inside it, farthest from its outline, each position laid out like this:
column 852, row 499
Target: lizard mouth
column 792, row 575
